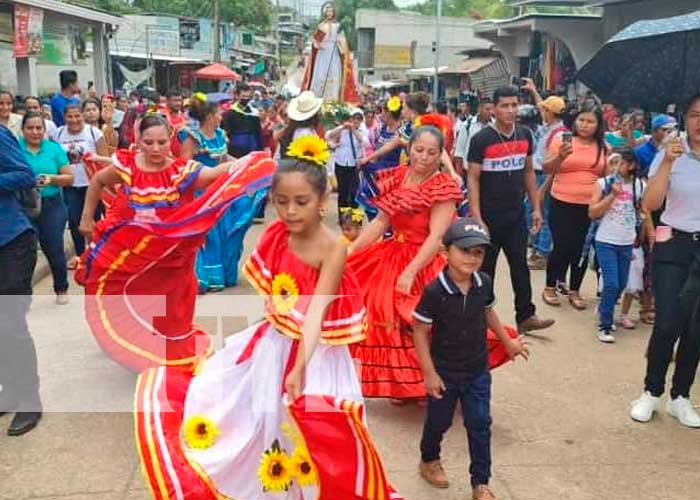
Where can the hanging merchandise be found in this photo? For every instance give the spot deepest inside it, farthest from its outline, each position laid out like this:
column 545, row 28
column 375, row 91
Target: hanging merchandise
column 135, row 78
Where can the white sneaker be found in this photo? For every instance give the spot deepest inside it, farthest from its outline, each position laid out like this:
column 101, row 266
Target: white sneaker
column 681, row 409
column 606, row 336
column 644, row 407
column 62, row 299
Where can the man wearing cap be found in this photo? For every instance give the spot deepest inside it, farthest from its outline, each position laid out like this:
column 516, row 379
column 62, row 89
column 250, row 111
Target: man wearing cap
column 450, row 335
column 351, row 143
column 660, row 127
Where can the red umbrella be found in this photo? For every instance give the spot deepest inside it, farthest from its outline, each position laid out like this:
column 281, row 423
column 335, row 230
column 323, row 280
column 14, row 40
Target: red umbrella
column 216, row 72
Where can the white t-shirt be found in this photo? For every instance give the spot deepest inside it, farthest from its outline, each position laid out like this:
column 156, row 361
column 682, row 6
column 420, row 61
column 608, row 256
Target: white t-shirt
column 51, row 129
column 619, row 224
column 682, row 210
column 75, row 146
column 468, row 129
column 344, row 150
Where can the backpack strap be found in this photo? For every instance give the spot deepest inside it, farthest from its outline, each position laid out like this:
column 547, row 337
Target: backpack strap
column 553, row 134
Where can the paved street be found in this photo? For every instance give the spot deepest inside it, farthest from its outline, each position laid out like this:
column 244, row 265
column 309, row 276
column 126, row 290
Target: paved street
column 561, row 427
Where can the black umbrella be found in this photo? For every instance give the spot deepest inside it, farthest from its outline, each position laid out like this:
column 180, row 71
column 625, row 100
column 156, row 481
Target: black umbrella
column 649, row 64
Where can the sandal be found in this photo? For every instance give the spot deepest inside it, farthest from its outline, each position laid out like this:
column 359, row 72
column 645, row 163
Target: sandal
column 550, row 297
column 577, row 302
column 647, row 316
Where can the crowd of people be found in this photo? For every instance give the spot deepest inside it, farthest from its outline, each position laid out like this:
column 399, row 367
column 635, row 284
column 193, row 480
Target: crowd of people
column 427, row 198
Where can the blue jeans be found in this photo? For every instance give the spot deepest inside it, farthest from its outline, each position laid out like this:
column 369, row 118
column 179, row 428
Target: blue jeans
column 475, row 397
column 50, row 227
column 542, row 241
column 614, row 262
column 74, row 198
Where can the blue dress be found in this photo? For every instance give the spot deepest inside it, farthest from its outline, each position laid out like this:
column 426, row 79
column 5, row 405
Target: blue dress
column 217, row 261
column 391, row 159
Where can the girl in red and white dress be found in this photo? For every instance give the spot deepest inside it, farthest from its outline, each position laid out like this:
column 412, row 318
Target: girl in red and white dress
column 277, row 413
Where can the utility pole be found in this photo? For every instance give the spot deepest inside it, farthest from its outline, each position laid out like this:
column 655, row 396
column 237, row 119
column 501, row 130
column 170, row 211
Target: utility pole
column 217, row 44
column 278, row 36
column 436, row 83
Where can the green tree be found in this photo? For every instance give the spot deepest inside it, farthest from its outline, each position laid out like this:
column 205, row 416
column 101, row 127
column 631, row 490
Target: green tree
column 346, row 14
column 477, row 9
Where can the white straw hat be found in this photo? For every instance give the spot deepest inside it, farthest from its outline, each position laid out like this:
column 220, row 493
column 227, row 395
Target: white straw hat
column 304, row 106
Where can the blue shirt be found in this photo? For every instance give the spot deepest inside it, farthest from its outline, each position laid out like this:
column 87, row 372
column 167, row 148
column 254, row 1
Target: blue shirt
column 48, row 160
column 15, row 174
column 58, row 107
column 645, row 155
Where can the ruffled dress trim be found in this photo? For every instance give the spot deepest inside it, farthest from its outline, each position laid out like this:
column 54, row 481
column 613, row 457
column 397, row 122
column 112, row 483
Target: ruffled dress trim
column 159, row 189
column 394, row 197
column 289, row 284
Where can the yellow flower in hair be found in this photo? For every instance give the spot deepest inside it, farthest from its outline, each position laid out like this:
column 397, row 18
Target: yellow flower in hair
column 275, row 472
column 285, row 293
column 394, row 104
column 303, row 468
column 200, row 432
column 310, row 148
column 200, row 96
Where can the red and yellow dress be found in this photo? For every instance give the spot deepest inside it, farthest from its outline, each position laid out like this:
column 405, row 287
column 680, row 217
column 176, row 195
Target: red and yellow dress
column 227, row 431
column 138, row 271
column 389, row 365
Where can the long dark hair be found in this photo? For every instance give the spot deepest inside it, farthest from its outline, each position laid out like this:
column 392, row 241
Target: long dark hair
column 292, row 126
column 599, row 134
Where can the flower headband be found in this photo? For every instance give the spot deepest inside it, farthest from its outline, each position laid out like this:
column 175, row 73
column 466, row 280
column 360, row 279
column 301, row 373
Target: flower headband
column 356, row 214
column 200, row 96
column 310, row 148
column 394, row 104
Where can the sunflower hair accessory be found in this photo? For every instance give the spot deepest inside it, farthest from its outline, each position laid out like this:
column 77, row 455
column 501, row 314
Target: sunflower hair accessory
column 200, row 96
column 310, row 148
column 356, row 215
column 394, row 104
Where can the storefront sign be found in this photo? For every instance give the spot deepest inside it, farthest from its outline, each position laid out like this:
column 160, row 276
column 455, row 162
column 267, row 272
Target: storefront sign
column 29, row 23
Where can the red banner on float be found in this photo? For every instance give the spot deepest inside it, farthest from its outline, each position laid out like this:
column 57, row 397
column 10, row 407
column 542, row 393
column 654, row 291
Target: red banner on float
column 29, row 26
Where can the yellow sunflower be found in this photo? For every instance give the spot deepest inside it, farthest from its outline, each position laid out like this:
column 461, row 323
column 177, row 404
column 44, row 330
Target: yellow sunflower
column 303, row 468
column 275, row 473
column 285, row 293
column 310, row 148
column 394, row 104
column 200, row 432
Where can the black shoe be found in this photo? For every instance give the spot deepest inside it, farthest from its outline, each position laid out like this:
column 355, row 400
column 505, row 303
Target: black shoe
column 23, row 422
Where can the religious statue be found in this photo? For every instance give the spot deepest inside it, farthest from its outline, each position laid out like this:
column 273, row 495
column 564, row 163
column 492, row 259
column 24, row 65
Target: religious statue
column 329, row 72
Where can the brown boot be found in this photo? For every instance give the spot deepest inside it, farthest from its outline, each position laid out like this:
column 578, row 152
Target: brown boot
column 534, row 323
column 482, row 492
column 434, row 473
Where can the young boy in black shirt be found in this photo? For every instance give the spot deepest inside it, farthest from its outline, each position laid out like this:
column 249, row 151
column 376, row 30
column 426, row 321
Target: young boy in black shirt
column 457, row 309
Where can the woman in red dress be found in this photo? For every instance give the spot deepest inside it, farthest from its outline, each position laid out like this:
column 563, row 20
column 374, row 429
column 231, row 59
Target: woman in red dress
column 418, row 203
column 138, row 271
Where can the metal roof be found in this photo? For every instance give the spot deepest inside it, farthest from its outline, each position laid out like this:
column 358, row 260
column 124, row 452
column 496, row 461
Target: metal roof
column 73, row 11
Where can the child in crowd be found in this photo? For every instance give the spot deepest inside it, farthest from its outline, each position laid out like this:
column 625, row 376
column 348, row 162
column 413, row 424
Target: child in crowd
column 350, row 221
column 450, row 335
column 616, row 201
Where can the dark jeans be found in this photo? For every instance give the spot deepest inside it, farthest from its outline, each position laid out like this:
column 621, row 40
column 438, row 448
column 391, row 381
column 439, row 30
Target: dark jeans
column 569, row 224
column 673, row 261
column 348, row 185
column 50, row 226
column 508, row 232
column 18, row 364
column 614, row 262
column 475, row 398
column 74, row 197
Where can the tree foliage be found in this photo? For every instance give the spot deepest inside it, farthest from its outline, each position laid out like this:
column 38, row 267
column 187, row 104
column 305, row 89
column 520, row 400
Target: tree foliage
column 254, row 14
column 476, row 9
column 346, row 14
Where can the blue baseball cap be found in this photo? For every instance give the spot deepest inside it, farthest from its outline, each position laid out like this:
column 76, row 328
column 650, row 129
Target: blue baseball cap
column 663, row 121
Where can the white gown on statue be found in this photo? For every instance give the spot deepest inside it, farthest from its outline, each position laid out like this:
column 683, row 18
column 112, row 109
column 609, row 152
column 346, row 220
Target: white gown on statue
column 327, row 78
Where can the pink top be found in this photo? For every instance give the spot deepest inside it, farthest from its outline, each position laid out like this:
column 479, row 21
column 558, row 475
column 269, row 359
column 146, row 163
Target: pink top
column 577, row 175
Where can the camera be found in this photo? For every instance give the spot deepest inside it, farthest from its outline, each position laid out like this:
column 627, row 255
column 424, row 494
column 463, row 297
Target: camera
column 517, row 81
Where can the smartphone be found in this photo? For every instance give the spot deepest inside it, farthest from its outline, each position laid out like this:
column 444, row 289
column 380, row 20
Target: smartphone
column 567, row 137
column 517, row 81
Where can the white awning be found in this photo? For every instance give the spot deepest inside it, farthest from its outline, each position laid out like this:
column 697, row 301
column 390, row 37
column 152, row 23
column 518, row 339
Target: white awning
column 156, row 57
column 425, row 71
column 73, row 10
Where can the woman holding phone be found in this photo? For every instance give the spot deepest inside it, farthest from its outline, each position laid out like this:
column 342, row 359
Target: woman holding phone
column 50, row 164
column 577, row 160
column 674, row 176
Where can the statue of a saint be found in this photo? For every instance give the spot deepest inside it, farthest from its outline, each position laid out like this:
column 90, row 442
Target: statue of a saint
column 330, row 73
